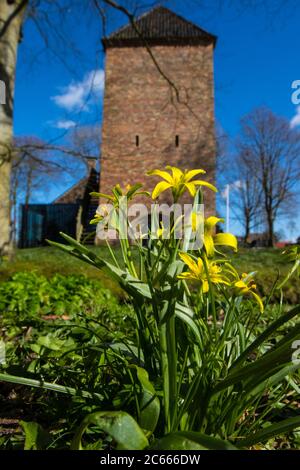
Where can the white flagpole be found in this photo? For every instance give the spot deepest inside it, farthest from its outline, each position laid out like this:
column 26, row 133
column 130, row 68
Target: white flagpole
column 227, row 208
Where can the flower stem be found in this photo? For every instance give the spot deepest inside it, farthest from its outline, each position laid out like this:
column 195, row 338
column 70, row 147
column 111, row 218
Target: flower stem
column 165, row 375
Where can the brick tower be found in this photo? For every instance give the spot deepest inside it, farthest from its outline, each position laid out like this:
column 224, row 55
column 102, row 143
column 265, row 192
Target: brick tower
column 145, row 126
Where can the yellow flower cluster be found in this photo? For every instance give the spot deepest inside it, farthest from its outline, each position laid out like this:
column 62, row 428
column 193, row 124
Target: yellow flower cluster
column 130, row 191
column 199, row 272
column 179, row 181
column 203, row 268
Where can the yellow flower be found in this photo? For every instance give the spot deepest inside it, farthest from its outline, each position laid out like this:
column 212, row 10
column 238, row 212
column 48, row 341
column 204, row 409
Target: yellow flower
column 101, row 214
column 196, row 219
column 117, row 193
column 211, row 239
column 245, row 286
column 160, row 232
column 106, row 215
column 198, row 272
column 178, row 181
column 129, row 192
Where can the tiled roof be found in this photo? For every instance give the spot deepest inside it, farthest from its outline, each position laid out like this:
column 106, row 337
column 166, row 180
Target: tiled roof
column 158, row 26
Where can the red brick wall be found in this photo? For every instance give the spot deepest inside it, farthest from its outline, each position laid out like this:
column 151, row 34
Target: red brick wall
column 139, row 101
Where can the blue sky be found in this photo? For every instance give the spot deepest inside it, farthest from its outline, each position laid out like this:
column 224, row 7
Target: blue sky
column 256, row 61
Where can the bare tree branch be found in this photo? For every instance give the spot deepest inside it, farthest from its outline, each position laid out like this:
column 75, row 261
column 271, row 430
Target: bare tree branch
column 20, row 5
column 270, row 152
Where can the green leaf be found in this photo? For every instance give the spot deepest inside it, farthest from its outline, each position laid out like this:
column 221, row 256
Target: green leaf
column 184, row 440
column 291, row 272
column 48, row 386
column 198, row 199
column 120, row 426
column 266, row 366
column 255, row 386
column 55, row 344
column 36, row 438
column 133, row 189
column 266, row 334
column 186, row 315
column 105, row 196
column 149, row 402
column 254, row 389
column 274, row 430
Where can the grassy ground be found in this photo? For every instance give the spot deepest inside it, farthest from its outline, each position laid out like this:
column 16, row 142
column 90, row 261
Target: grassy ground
column 259, row 259
column 48, row 261
column 269, row 264
column 49, row 325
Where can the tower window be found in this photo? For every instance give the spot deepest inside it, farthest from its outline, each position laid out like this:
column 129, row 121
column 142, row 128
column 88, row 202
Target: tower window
column 137, row 140
column 177, row 141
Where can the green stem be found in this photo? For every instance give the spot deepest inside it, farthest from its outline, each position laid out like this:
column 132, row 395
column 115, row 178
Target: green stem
column 172, row 360
column 165, row 375
column 211, row 292
column 112, row 253
column 130, row 260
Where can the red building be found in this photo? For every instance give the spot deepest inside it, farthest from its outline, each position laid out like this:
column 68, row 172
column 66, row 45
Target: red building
column 159, row 100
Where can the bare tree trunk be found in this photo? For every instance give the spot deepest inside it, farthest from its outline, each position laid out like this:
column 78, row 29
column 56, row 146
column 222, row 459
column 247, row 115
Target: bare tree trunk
column 270, row 220
column 247, row 228
column 13, row 202
column 10, row 26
